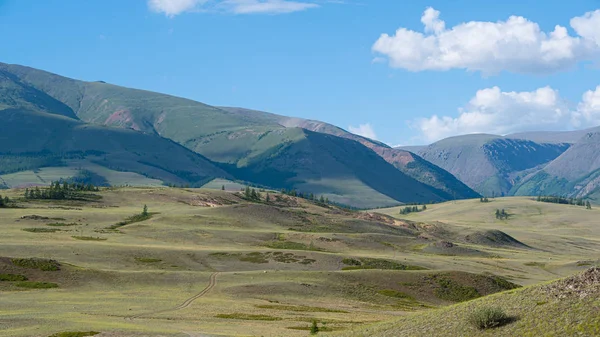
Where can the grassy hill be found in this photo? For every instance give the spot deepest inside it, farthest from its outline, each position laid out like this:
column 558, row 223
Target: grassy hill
column 490, row 164
column 567, row 307
column 209, row 262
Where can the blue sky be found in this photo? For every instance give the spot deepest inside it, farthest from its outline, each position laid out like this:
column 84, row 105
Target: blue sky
column 455, row 66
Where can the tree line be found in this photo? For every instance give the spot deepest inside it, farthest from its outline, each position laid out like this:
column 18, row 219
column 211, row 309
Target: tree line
column 60, row 190
column 565, row 201
column 5, row 202
column 253, row 195
column 412, row 209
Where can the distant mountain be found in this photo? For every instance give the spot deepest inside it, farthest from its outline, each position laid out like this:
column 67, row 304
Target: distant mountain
column 575, row 173
column 267, row 149
column 491, row 164
column 556, row 137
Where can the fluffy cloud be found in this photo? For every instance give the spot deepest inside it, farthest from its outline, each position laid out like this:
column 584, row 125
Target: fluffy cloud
column 588, row 111
column 365, row 130
column 515, row 45
column 174, row 7
column 496, row 112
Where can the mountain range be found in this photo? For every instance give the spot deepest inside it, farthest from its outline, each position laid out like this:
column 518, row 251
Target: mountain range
column 563, row 163
column 180, row 141
column 53, row 121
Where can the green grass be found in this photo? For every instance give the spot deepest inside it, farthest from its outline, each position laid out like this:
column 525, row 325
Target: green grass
column 292, row 246
column 88, row 238
column 249, row 317
column 450, row 290
column 395, row 294
column 41, row 230
column 199, row 240
column 36, row 285
column 12, row 277
column 37, row 263
column 75, row 334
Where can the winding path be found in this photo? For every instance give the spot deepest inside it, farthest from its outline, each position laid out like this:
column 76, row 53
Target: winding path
column 212, row 282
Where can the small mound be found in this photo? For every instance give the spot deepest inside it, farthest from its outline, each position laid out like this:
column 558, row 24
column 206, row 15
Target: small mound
column 581, row 285
column 494, row 238
column 449, row 248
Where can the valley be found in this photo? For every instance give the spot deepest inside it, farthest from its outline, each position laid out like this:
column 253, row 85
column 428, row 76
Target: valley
column 210, row 261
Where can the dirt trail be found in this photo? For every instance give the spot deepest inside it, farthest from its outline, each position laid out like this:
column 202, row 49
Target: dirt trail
column 212, row 282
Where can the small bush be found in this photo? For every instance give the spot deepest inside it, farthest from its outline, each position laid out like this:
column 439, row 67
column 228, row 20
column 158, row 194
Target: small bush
column 487, row 317
column 36, row 285
column 12, row 277
column 147, row 260
column 41, row 230
column 62, row 224
column 75, row 334
column 35, row 263
column 248, row 317
column 89, row 238
column 314, row 328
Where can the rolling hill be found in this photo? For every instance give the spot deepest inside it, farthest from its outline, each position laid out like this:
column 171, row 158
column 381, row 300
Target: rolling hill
column 258, row 147
column 491, row 164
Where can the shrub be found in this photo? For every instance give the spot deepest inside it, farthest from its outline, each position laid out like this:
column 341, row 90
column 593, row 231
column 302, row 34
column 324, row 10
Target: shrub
column 35, row 263
column 41, row 230
column 487, row 317
column 314, row 328
column 36, row 285
column 75, row 334
column 88, row 238
column 12, row 277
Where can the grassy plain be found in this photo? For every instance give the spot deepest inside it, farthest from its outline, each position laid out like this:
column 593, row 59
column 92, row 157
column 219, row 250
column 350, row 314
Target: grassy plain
column 208, row 263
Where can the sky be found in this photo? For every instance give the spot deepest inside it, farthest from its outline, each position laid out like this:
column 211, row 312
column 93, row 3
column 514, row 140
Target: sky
column 402, row 72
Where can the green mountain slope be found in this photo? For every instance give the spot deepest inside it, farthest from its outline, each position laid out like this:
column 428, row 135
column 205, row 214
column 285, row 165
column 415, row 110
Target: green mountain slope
column 445, row 184
column 250, row 142
column 341, row 169
column 490, row 164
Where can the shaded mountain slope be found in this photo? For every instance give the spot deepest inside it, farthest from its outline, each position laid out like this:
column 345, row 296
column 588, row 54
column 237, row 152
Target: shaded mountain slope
column 24, row 132
column 576, row 173
column 490, row 164
column 339, row 168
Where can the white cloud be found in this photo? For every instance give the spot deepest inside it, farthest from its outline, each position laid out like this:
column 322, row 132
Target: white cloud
column 515, row 45
column 267, row 6
column 588, row 110
column 365, row 130
column 174, row 7
column 496, row 112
